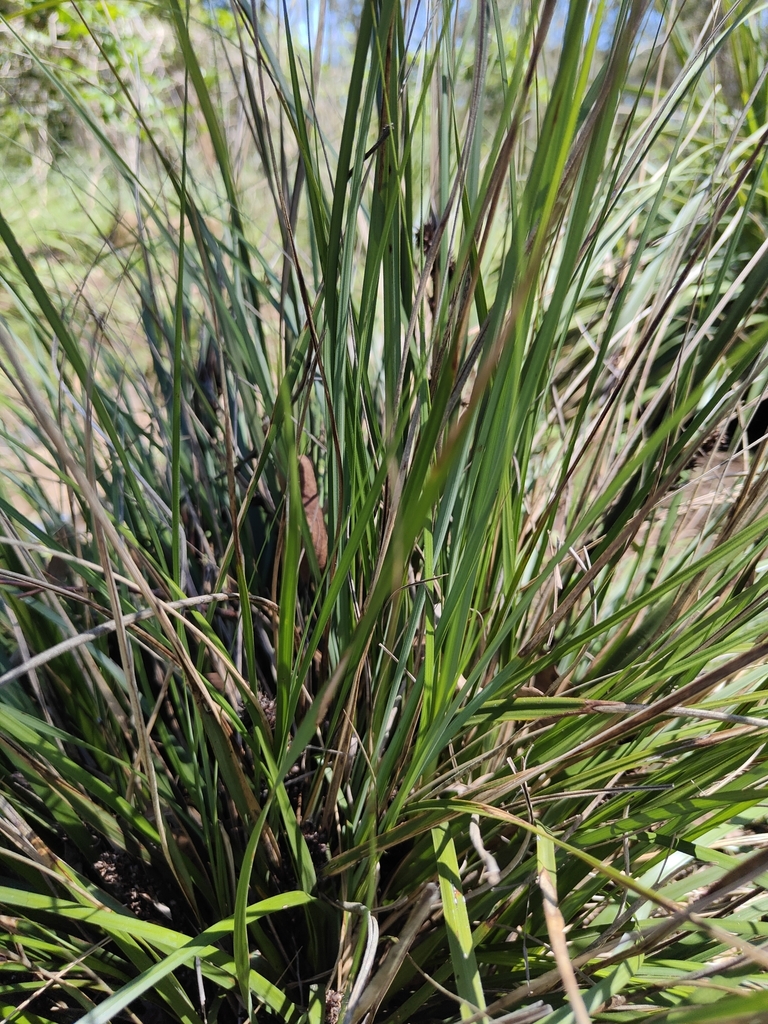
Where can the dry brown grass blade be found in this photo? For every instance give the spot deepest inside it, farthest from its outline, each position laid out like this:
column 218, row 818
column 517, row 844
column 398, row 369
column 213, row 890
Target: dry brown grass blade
column 556, row 930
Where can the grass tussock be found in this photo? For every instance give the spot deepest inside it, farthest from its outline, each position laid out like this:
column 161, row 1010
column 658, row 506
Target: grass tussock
column 383, row 592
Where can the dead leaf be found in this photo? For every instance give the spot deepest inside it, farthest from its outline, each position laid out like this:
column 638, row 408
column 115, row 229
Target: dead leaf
column 313, row 511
